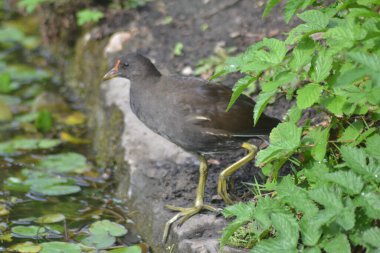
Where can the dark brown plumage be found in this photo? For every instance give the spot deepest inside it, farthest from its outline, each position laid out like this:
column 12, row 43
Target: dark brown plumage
column 190, row 112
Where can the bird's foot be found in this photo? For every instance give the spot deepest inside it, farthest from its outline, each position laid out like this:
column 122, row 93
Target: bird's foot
column 184, row 213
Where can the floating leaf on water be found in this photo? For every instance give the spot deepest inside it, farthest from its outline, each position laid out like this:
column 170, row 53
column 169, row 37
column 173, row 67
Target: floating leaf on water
column 15, row 184
column 5, row 83
column 50, row 218
column 56, row 190
column 76, row 118
column 107, row 227
column 26, row 74
column 25, row 247
column 66, row 162
column 6, row 237
column 60, row 247
column 99, row 241
column 131, row 249
column 28, row 117
column 28, row 231
column 44, row 121
column 5, row 112
column 10, row 100
column 64, row 136
column 27, row 144
column 3, row 210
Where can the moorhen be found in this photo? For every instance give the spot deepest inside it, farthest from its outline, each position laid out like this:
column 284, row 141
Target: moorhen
column 191, row 113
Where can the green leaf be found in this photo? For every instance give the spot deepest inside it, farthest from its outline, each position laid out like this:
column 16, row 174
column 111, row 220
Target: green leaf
column 87, row 16
column 316, row 19
column 107, row 227
column 44, row 121
column 287, row 235
column 322, row 67
column 261, row 102
column 99, row 241
column 241, row 85
column 371, row 61
column 66, row 162
column 348, row 180
column 270, row 5
column 27, row 144
column 25, row 247
column 328, row 196
column 28, row 231
column 334, row 104
column 320, row 139
column 30, row 5
column 302, row 54
column 350, row 76
column 50, row 218
column 338, row 244
column 60, row 247
column 352, row 132
column 356, row 159
column 284, row 139
column 296, row 197
column 372, row 237
column 344, row 35
column 308, row 95
column 131, row 249
column 294, row 114
column 56, row 190
column 5, row 83
column 5, row 112
column 178, row 49
column 370, row 201
column 372, row 146
column 291, row 8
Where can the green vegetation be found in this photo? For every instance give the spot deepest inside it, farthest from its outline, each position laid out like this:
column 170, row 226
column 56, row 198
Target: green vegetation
column 329, row 63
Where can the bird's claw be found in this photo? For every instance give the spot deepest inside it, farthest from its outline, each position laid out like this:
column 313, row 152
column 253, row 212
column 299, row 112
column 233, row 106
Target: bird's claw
column 184, row 214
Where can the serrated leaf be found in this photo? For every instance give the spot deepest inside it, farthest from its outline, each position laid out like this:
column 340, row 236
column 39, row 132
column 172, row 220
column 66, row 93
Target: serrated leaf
column 261, row 102
column 356, row 159
column 334, row 104
column 328, row 196
column 322, row 67
column 284, row 139
column 338, row 244
column 346, row 217
column 291, row 8
column 348, row 180
column 371, row 61
column 350, row 76
column 344, row 35
column 320, row 139
column 294, row 114
column 302, row 54
column 371, row 204
column 352, row 132
column 308, row 95
column 296, row 197
column 316, row 19
column 241, row 85
column 270, row 5
column 372, row 237
column 372, row 146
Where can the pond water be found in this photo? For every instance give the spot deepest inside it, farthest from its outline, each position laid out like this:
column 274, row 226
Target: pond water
column 53, row 198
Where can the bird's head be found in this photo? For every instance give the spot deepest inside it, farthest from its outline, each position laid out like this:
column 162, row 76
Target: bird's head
column 132, row 66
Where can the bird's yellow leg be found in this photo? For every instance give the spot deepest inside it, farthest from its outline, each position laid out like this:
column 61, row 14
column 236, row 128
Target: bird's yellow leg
column 185, row 213
column 222, row 181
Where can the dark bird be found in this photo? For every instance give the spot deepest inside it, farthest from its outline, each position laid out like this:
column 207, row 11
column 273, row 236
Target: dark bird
column 191, row 113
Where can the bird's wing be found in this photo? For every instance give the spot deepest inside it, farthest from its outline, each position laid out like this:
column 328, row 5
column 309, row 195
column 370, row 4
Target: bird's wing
column 206, row 105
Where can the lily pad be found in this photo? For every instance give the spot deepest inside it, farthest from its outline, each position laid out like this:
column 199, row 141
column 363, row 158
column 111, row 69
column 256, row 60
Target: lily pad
column 50, row 218
column 56, row 190
column 28, row 144
column 28, row 231
column 60, row 247
column 25, row 247
column 131, row 249
column 99, row 241
column 107, row 227
column 67, row 162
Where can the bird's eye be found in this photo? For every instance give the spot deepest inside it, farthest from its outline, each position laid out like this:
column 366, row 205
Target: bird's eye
column 126, row 64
